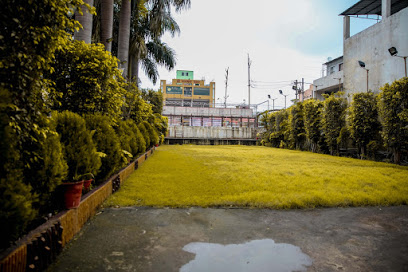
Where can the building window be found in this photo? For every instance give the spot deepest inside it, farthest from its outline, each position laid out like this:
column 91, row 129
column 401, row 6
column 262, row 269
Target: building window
column 186, row 74
column 201, row 91
column 332, row 70
column 182, row 73
column 340, row 66
column 187, row 91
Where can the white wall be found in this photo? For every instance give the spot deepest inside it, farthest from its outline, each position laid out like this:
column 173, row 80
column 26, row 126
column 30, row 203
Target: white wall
column 371, row 46
column 212, row 132
column 196, row 111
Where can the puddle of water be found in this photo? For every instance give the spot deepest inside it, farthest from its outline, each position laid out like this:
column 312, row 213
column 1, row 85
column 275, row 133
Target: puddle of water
column 257, row 255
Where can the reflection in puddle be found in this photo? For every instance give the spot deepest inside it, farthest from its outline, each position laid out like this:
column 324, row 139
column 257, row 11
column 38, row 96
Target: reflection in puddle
column 257, row 255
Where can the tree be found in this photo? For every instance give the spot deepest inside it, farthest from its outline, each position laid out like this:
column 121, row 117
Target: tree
column 84, row 16
column 363, row 120
column 393, row 108
column 124, row 35
column 30, row 32
column 107, row 23
column 155, row 99
column 312, row 121
column 296, row 126
column 86, row 80
column 333, row 120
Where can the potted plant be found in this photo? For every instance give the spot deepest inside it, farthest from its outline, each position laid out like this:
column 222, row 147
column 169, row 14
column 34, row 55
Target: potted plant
column 73, row 193
column 88, row 178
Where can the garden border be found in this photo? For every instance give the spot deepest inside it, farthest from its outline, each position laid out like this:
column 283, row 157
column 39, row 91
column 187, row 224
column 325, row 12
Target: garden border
column 39, row 248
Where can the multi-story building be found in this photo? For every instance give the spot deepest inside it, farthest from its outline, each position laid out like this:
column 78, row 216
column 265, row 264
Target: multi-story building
column 331, row 80
column 370, row 57
column 184, row 91
column 371, row 46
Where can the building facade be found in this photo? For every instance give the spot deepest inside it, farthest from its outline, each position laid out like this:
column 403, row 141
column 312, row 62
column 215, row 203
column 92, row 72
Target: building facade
column 184, row 91
column 372, row 44
column 331, row 80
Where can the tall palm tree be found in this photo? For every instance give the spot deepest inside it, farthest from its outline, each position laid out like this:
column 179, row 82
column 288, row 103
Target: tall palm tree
column 107, row 23
column 85, row 19
column 146, row 48
column 124, row 35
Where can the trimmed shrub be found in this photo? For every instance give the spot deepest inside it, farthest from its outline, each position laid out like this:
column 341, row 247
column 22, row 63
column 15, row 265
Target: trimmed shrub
column 86, row 80
column 313, row 126
column 152, row 133
column 363, row 121
column 297, row 134
column 145, row 134
column 78, row 149
column 333, row 120
column 393, row 109
column 107, row 142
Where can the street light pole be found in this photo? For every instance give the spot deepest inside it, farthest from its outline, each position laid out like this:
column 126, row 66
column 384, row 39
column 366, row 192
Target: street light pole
column 393, row 51
column 362, row 65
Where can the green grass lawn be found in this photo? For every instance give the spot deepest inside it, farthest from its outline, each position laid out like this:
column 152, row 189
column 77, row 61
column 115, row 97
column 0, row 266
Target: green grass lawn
column 255, row 176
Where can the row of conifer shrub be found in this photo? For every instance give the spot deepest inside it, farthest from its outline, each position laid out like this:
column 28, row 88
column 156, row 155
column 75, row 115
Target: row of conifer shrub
column 375, row 126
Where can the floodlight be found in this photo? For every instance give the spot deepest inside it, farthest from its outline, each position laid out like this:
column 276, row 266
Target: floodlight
column 362, row 64
column 269, row 96
column 393, row 51
column 280, row 91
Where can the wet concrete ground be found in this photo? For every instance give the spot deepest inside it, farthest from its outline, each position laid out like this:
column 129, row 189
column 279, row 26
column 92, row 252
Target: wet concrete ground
column 197, row 239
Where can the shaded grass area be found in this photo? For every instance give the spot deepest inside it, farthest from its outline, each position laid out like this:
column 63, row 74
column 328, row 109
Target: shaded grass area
column 256, row 176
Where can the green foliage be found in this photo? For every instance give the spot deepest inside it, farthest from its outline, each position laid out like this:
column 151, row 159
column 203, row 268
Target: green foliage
column 131, row 139
column 393, row 108
column 86, row 80
column 78, row 149
column 16, row 209
column 135, row 107
column 363, row 120
column 279, row 126
column 333, row 120
column 154, row 138
column 145, row 134
column 297, row 134
column 312, row 120
column 155, row 99
column 107, row 142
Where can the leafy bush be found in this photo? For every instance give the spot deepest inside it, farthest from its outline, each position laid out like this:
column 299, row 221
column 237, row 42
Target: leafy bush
column 363, row 121
column 145, row 134
column 86, row 79
column 135, row 107
column 107, row 142
column 297, row 135
column 313, row 126
column 333, row 120
column 78, row 149
column 393, row 108
column 152, row 133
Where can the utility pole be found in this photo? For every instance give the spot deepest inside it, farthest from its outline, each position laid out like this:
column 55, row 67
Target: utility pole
column 249, row 82
column 296, row 88
column 303, row 89
column 273, row 103
column 226, row 86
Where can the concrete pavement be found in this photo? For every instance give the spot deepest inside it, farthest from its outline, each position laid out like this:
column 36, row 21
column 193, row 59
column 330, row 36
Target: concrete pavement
column 331, row 239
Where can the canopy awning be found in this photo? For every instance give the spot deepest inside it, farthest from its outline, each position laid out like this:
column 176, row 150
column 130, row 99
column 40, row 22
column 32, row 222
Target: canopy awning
column 373, row 7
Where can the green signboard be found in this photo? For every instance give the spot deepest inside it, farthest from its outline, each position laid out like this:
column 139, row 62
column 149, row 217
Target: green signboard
column 174, row 90
column 201, row 91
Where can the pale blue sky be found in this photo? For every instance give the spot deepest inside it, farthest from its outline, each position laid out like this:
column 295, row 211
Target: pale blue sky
column 286, row 40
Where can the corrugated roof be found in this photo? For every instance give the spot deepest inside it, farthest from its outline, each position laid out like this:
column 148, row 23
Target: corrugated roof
column 373, row 7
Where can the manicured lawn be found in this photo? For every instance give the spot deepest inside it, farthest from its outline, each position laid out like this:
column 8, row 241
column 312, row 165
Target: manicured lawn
column 190, row 175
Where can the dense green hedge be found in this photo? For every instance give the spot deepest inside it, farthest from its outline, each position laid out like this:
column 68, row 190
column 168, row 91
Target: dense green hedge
column 370, row 123
column 65, row 111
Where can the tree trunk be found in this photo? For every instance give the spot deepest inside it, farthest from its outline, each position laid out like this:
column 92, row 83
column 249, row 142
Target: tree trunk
column 107, row 23
column 124, row 35
column 84, row 34
column 135, row 69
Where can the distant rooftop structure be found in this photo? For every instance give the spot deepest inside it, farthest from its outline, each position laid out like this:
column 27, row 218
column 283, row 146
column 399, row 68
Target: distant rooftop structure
column 184, row 74
column 373, row 7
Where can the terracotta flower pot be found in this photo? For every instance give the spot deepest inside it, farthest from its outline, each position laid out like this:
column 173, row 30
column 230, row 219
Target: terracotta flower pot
column 87, row 185
column 72, row 194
